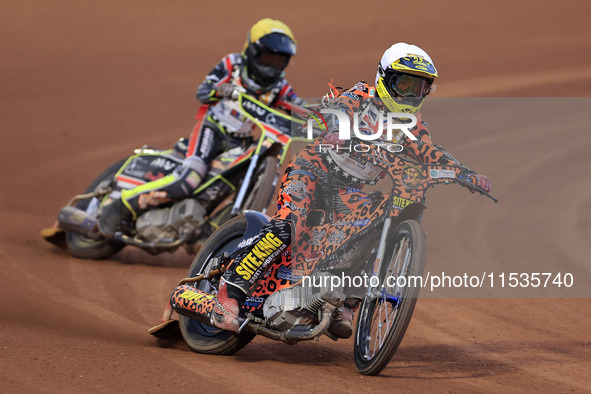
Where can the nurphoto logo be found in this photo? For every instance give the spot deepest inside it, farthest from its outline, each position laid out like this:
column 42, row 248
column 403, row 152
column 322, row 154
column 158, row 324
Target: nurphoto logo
column 394, row 121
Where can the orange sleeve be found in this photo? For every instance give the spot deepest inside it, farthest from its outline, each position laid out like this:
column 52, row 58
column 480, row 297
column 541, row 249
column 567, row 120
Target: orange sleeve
column 423, row 149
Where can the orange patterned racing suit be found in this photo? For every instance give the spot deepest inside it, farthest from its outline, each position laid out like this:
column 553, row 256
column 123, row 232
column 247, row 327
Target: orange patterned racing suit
column 312, row 181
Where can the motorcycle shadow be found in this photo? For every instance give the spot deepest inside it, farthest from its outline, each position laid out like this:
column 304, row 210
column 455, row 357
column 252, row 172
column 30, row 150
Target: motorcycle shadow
column 324, row 353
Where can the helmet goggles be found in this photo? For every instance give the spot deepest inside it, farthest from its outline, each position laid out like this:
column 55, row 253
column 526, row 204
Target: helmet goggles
column 407, row 85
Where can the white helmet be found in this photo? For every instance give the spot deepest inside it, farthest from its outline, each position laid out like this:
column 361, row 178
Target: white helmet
column 405, row 76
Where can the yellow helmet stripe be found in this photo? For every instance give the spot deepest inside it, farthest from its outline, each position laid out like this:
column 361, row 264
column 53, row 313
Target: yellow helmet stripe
column 415, row 65
column 267, row 26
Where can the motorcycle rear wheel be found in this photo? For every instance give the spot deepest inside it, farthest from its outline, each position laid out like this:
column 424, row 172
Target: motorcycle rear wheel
column 201, row 337
column 384, row 316
column 85, row 248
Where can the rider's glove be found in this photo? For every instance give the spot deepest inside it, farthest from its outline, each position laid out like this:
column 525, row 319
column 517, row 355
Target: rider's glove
column 227, row 90
column 482, row 181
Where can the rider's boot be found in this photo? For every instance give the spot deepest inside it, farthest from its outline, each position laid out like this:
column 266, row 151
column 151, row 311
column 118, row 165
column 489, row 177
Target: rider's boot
column 131, row 204
column 111, row 213
column 226, row 310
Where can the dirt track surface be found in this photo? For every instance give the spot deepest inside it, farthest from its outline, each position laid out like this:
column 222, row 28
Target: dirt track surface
column 83, row 83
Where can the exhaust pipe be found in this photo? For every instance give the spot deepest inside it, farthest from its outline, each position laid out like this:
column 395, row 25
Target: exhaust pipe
column 292, row 336
column 78, row 221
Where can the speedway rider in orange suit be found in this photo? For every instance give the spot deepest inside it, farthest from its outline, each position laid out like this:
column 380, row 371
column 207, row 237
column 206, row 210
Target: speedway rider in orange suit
column 405, row 77
column 257, row 71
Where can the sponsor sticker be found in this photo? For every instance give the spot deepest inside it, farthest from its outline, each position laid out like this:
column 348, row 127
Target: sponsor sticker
column 246, row 242
column 401, row 202
column 254, row 301
column 411, row 176
column 161, row 162
column 196, row 297
column 314, row 256
column 436, row 174
column 286, row 273
column 361, row 222
column 261, row 254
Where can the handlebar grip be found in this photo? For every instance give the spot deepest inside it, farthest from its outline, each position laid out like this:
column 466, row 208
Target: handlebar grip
column 471, row 186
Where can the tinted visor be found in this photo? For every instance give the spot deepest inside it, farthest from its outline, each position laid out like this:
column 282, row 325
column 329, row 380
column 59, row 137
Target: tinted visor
column 405, row 85
column 277, row 61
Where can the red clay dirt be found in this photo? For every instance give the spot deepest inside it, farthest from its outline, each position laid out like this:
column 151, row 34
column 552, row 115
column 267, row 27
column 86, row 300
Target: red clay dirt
column 85, row 82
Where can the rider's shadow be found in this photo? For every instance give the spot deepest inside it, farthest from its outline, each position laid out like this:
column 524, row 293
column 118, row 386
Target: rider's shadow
column 429, row 362
column 134, row 256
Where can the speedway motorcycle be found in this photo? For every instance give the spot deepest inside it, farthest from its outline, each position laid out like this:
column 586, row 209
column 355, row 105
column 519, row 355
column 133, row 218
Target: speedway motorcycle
column 241, row 178
column 381, row 237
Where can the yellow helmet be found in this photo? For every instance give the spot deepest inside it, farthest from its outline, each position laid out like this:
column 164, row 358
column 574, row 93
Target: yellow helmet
column 405, row 77
column 269, row 46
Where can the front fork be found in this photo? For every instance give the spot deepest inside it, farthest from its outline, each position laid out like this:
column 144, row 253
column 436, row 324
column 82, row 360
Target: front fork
column 245, row 184
column 373, row 291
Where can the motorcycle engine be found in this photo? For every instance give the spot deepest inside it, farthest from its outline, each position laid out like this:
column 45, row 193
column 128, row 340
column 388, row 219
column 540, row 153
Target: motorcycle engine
column 300, row 304
column 167, row 224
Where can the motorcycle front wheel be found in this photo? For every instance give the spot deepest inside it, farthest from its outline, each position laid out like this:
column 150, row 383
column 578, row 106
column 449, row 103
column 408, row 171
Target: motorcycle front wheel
column 387, row 309
column 201, row 337
column 86, row 248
